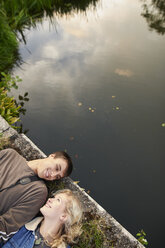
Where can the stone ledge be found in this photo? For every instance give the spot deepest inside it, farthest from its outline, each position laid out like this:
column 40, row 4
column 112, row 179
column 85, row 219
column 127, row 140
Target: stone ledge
column 21, row 143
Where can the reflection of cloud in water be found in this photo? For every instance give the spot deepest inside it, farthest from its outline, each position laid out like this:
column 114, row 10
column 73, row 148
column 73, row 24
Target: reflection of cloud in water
column 50, row 51
column 52, row 85
column 124, row 73
column 76, row 32
column 83, row 53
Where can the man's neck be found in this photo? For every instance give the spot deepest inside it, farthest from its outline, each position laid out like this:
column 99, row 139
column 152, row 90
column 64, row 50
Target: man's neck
column 33, row 164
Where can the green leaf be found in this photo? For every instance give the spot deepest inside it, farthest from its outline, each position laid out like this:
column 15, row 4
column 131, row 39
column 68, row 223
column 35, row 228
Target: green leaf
column 14, row 120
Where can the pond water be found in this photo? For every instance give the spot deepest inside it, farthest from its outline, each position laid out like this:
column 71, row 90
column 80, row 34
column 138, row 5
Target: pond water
column 96, row 88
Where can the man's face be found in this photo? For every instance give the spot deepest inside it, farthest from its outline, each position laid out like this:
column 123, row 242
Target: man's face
column 52, row 168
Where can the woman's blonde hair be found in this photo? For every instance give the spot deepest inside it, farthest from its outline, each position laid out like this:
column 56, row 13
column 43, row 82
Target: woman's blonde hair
column 72, row 227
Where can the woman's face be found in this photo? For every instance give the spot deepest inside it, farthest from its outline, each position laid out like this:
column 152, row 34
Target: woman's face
column 55, row 207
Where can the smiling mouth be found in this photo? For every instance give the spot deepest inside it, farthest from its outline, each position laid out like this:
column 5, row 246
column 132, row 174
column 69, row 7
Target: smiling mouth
column 47, row 174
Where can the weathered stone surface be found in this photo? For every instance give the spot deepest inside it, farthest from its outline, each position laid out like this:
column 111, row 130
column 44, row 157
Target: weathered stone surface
column 5, row 128
column 121, row 237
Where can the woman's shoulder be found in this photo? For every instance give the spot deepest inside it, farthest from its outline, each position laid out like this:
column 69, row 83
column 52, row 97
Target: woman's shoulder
column 32, row 225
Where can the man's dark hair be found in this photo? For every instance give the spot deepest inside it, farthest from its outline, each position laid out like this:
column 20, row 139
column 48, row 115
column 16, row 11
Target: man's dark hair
column 64, row 155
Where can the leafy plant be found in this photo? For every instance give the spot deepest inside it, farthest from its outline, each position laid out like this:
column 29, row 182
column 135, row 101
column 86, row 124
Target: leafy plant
column 141, row 237
column 8, row 82
column 10, row 109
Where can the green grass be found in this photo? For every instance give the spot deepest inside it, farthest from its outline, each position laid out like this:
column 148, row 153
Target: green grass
column 3, row 141
column 8, row 46
column 94, row 233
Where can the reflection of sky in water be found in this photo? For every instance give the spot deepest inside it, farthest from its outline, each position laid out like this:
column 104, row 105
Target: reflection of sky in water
column 111, row 63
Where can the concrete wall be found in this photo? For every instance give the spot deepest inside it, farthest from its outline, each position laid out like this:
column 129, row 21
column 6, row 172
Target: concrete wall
column 116, row 232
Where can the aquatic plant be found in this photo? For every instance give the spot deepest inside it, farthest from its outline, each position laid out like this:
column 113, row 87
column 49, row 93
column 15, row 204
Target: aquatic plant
column 141, row 237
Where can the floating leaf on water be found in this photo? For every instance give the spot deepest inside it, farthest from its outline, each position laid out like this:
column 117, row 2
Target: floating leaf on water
column 76, row 155
column 113, row 96
column 163, row 124
column 124, row 72
column 117, row 108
